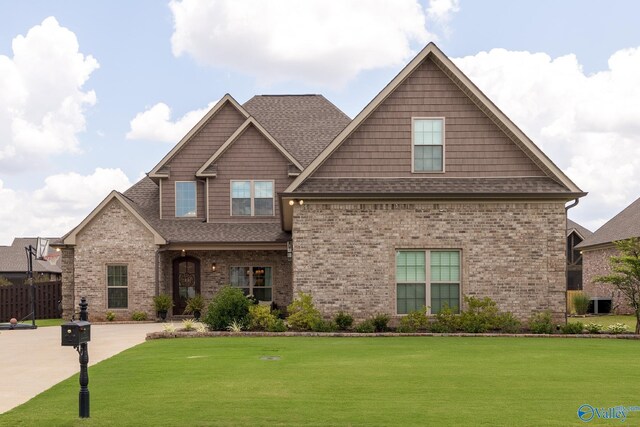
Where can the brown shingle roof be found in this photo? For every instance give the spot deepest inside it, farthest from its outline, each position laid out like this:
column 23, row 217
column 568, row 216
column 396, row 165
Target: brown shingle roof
column 303, row 124
column 622, row 226
column 144, row 198
column 397, row 187
column 13, row 259
column 572, row 225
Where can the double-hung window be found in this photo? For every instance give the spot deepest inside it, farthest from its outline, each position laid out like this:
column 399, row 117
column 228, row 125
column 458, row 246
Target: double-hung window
column 427, row 278
column 256, row 281
column 185, row 198
column 252, row 198
column 428, row 144
column 117, row 286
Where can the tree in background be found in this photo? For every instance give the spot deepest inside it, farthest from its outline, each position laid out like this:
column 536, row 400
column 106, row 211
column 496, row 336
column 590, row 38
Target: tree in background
column 626, row 274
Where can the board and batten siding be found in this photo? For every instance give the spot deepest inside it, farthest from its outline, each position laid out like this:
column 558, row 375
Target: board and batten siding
column 194, row 154
column 250, row 157
column 474, row 145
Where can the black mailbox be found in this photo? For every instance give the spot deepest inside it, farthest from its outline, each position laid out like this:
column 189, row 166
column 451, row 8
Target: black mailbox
column 76, row 333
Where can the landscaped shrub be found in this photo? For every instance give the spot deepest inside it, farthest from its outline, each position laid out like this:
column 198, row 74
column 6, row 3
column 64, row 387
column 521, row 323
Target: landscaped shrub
column 188, row 324
column 508, row 323
column 414, row 321
column 540, row 323
column 617, row 328
column 302, row 313
column 480, row 315
column 228, row 305
column 380, row 322
column 169, row 327
column 139, row 316
column 110, row 316
column 235, row 326
column 344, row 321
column 324, row 326
column 278, row 326
column 261, row 318
column 593, row 328
column 446, row 321
column 581, row 303
column 365, row 327
column 572, row 328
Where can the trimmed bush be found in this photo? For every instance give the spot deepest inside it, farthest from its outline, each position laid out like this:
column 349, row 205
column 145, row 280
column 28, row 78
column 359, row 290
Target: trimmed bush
column 480, row 316
column 380, row 322
column 343, row 321
column 261, row 318
column 540, row 323
column 617, row 328
column 139, row 316
column 324, row 326
column 278, row 326
column 303, row 315
column 572, row 328
column 508, row 323
column 414, row 321
column 365, row 327
column 593, row 328
column 110, row 316
column 581, row 303
column 446, row 321
column 229, row 305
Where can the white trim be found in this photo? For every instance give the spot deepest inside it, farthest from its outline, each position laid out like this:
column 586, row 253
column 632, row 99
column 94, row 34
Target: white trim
column 175, row 200
column 236, row 135
column 206, row 202
column 466, row 85
column 70, row 239
column 225, row 99
column 252, row 196
column 413, row 145
column 160, row 188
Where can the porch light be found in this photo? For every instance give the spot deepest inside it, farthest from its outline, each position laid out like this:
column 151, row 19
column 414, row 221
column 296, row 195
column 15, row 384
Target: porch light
column 213, row 267
column 291, row 203
column 184, row 253
column 301, row 202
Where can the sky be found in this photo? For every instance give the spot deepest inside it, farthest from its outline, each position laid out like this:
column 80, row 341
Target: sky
column 94, row 94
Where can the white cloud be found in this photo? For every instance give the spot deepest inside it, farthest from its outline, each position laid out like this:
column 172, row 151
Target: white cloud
column 589, row 125
column 42, row 104
column 53, row 209
column 442, row 10
column 317, row 41
column 154, row 124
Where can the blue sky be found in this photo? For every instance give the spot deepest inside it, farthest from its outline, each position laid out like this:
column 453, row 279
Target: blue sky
column 566, row 72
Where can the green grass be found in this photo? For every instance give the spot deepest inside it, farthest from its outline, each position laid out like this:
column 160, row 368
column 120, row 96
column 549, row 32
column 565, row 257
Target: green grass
column 41, row 323
column 349, row 381
column 607, row 320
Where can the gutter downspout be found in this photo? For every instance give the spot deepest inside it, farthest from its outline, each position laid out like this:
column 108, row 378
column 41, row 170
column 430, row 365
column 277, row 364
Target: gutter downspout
column 566, row 267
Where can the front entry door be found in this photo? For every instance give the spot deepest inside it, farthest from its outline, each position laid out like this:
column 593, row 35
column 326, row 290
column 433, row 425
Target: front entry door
column 186, row 282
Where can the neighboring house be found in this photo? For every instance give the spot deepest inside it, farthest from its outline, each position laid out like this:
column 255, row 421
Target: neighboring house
column 598, row 248
column 575, row 235
column 14, row 264
column 430, row 194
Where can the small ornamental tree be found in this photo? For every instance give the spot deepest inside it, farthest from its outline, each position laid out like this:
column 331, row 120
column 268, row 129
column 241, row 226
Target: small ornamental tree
column 626, row 274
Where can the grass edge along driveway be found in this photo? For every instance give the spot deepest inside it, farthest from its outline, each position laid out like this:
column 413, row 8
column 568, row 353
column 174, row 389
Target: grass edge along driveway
column 349, row 381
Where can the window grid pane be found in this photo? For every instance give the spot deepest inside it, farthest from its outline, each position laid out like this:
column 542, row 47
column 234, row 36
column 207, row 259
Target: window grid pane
column 117, row 282
column 445, row 266
column 410, row 297
column 428, row 144
column 445, row 293
column 185, row 199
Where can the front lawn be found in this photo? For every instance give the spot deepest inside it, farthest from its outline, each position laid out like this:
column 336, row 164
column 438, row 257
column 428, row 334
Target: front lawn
column 349, row 381
column 606, row 320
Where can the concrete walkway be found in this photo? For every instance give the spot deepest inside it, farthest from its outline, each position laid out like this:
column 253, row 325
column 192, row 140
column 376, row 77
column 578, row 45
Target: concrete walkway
column 32, row 360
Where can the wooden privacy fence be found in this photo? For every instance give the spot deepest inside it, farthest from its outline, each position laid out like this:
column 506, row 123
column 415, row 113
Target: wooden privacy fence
column 15, row 301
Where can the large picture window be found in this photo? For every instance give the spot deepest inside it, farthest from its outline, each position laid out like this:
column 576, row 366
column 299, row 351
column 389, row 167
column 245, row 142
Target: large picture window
column 252, row 198
column 185, row 198
column 256, row 281
column 420, row 283
column 428, row 145
column 117, row 286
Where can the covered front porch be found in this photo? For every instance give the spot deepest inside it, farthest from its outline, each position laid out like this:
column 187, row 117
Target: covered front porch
column 191, row 270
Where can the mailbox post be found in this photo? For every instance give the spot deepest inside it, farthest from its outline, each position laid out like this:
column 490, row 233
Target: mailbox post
column 77, row 334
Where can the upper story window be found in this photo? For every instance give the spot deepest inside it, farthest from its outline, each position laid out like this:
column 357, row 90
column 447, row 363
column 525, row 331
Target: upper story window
column 185, row 198
column 252, row 198
column 428, row 144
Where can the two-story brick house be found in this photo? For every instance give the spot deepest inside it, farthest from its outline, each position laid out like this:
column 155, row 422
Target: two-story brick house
column 429, row 194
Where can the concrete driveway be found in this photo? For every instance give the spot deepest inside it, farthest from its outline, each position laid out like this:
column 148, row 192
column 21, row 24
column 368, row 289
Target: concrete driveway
column 32, row 360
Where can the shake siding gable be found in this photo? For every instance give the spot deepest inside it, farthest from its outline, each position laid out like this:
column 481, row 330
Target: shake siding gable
column 187, row 161
column 474, row 145
column 250, row 157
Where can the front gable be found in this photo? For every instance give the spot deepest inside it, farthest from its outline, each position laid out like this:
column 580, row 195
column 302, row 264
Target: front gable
column 479, row 140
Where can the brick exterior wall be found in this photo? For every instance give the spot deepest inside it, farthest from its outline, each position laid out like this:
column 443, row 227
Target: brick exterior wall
column 114, row 236
column 514, row 253
column 596, row 263
column 211, row 282
column 69, row 303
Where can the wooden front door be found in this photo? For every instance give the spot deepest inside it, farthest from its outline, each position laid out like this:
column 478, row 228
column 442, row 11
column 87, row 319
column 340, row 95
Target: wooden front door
column 186, row 281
